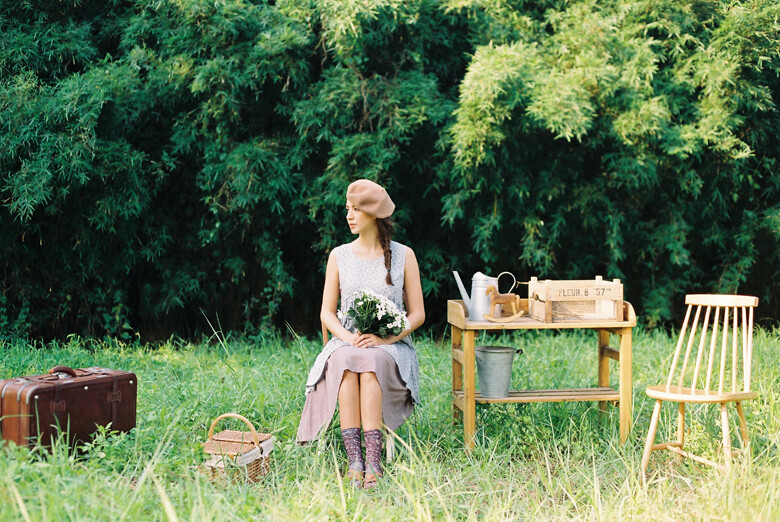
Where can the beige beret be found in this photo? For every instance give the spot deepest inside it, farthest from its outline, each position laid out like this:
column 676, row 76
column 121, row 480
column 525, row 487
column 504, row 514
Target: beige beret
column 370, row 198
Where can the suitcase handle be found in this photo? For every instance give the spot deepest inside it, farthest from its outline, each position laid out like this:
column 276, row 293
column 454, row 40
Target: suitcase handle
column 235, row 416
column 63, row 369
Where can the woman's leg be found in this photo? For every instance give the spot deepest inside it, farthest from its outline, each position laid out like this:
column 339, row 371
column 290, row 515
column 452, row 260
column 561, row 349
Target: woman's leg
column 371, row 413
column 349, row 415
column 370, row 401
column 349, row 400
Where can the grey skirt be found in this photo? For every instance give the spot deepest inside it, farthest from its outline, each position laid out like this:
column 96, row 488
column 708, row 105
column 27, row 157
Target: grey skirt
column 321, row 402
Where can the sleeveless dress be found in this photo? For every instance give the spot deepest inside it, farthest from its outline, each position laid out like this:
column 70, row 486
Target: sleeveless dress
column 395, row 365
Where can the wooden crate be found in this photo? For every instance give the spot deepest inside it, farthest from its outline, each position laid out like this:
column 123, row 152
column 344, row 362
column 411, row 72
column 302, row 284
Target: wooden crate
column 566, row 301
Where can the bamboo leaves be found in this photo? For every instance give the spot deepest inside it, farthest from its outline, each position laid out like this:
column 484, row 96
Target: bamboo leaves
column 164, row 159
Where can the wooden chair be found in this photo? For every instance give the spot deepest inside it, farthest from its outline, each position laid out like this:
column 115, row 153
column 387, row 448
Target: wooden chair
column 719, row 374
column 389, row 435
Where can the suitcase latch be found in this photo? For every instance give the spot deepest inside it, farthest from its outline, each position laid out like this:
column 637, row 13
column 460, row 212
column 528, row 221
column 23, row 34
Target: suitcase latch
column 54, row 407
column 115, row 396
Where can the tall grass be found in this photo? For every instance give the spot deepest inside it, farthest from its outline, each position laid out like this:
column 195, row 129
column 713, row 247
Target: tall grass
column 531, row 461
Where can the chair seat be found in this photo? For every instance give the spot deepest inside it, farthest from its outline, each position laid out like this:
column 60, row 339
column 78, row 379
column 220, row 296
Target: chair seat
column 682, row 394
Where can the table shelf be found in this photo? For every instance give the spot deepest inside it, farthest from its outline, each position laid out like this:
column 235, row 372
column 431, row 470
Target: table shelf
column 554, row 395
column 457, row 315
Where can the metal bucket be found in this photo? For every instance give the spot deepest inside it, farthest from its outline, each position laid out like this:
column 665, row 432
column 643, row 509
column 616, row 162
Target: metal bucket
column 494, row 368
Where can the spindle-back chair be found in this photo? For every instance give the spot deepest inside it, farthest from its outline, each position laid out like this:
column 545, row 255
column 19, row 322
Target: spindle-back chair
column 711, row 364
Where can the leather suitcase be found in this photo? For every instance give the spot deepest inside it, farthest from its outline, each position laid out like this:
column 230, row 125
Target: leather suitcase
column 77, row 401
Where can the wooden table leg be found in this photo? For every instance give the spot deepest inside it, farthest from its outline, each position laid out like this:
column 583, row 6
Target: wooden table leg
column 603, row 365
column 626, row 385
column 457, row 371
column 469, row 387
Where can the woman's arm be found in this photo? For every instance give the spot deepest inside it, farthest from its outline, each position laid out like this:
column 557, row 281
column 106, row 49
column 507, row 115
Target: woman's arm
column 330, row 303
column 414, row 297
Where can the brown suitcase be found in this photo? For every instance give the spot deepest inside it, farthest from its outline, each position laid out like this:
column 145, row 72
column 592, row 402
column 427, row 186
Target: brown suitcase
column 77, row 401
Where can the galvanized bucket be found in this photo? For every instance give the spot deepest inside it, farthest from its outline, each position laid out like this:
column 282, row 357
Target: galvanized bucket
column 494, row 369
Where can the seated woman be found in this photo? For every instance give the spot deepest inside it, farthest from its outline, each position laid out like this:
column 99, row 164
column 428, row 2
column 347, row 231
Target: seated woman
column 374, row 380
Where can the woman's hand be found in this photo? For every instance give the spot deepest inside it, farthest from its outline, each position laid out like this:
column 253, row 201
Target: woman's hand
column 367, row 340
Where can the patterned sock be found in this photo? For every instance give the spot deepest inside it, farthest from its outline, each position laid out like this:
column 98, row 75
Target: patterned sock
column 374, row 451
column 351, row 438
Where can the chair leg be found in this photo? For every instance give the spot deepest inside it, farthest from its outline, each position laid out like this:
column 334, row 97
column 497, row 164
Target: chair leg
column 724, row 420
column 651, row 436
column 681, row 425
column 743, row 432
column 389, row 446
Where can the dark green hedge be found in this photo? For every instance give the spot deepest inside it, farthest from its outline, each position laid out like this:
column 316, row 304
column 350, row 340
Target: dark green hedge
column 169, row 164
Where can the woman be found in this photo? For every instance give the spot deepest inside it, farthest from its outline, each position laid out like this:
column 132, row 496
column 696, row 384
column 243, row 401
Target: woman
column 374, row 380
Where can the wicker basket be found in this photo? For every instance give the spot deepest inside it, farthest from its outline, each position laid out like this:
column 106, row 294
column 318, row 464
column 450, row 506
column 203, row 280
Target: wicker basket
column 237, row 455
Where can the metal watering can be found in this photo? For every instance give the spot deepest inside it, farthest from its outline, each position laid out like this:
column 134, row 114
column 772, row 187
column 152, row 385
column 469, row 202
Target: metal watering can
column 479, row 302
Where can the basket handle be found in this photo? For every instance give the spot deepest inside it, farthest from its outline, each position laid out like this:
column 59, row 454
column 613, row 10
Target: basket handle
column 235, row 416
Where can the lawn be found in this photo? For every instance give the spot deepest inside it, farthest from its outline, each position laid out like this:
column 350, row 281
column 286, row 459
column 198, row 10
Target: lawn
column 531, row 461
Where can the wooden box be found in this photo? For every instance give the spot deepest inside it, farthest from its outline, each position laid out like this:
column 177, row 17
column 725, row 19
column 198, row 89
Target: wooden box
column 571, row 301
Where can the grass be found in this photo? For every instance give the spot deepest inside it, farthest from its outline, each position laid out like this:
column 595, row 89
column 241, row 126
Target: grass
column 531, row 461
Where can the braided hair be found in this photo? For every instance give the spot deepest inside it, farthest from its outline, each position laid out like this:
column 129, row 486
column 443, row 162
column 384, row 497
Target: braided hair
column 386, row 227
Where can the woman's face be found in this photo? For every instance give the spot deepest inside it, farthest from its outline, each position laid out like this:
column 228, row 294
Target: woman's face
column 358, row 220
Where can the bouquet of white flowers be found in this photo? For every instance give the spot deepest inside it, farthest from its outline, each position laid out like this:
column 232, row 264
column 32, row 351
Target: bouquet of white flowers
column 376, row 314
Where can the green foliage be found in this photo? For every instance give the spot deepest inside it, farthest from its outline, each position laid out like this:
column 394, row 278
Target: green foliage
column 632, row 139
column 164, row 163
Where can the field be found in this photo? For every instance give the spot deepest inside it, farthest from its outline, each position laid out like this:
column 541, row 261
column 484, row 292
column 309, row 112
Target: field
column 544, row 461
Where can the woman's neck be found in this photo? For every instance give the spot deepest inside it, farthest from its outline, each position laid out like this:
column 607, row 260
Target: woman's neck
column 367, row 243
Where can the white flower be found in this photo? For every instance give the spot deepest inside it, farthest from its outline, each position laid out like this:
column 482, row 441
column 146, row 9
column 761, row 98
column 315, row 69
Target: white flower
column 386, row 312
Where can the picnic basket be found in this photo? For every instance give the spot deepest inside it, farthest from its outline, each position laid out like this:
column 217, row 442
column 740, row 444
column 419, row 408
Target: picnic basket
column 237, row 455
